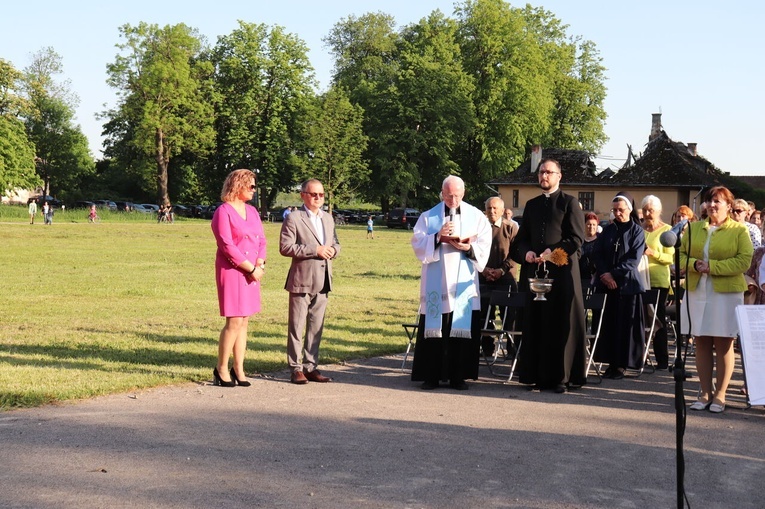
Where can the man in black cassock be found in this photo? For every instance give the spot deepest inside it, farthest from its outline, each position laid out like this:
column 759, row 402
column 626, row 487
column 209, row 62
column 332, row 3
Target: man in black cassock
column 553, row 352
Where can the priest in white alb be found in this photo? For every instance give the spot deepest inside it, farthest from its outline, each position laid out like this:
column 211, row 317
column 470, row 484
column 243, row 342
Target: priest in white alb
column 452, row 240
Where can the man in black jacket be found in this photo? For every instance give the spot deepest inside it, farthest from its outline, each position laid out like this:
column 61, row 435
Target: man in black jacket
column 553, row 351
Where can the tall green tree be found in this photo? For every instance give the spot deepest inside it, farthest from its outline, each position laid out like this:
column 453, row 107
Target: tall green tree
column 432, row 110
column 17, row 167
column 365, row 50
column 161, row 88
column 337, row 144
column 513, row 94
column 416, row 98
column 263, row 85
column 578, row 115
column 62, row 156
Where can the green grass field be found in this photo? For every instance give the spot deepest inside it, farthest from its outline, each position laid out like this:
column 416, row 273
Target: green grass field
column 91, row 309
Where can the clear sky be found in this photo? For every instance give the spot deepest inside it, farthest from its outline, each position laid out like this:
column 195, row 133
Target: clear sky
column 699, row 63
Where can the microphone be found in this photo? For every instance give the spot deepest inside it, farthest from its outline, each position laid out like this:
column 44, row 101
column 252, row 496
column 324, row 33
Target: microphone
column 451, row 215
column 670, row 238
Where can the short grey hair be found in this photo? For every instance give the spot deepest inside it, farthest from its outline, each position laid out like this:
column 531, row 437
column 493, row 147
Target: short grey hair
column 452, row 178
column 488, row 201
column 307, row 183
column 448, row 180
column 652, row 200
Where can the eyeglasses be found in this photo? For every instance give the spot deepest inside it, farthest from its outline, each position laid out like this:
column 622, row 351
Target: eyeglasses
column 738, row 211
column 314, row 195
column 547, row 173
column 253, row 187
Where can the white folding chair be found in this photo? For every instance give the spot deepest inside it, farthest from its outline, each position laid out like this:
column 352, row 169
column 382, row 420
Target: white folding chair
column 651, row 302
column 594, row 304
column 507, row 338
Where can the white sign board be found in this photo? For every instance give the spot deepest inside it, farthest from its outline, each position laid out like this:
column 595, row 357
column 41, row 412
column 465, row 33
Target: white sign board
column 751, row 325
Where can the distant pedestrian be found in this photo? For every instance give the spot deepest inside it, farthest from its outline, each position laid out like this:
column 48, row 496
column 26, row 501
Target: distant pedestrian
column 32, row 211
column 92, row 215
column 47, row 213
column 370, row 228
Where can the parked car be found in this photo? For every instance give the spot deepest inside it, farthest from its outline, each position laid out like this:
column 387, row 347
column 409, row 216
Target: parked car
column 197, row 210
column 53, row 202
column 151, row 206
column 402, row 218
column 209, row 211
column 182, row 210
column 106, row 204
column 137, row 207
column 124, row 206
column 82, row 204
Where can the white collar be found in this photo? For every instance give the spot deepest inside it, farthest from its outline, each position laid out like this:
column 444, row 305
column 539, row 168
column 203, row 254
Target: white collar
column 318, row 213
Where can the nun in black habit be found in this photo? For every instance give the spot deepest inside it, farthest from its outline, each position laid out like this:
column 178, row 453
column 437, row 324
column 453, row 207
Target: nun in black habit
column 618, row 250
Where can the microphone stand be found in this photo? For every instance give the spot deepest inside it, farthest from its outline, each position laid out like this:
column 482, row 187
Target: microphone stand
column 679, row 375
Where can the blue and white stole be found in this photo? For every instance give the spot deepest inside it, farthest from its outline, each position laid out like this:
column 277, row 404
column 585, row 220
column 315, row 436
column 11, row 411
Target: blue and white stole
column 435, row 282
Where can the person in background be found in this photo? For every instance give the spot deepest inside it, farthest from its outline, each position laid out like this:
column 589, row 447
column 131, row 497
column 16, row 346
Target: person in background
column 370, row 228
column 499, row 273
column 552, row 355
column 452, row 241
column 508, row 214
column 92, row 214
column 47, row 213
column 618, row 251
column 659, row 260
column 755, row 278
column 717, row 252
column 287, row 212
column 308, row 237
column 240, row 264
column 32, row 211
column 683, row 212
column 586, row 261
column 740, row 213
column 752, row 210
column 756, row 219
column 702, row 211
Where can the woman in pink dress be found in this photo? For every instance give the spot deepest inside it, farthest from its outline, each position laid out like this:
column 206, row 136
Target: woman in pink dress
column 240, row 264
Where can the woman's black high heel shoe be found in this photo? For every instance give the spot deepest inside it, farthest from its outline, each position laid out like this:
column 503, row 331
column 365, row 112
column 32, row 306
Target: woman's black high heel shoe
column 217, row 380
column 243, row 383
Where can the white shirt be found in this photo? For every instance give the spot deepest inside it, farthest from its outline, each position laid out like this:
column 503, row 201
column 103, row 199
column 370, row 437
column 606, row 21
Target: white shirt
column 318, row 226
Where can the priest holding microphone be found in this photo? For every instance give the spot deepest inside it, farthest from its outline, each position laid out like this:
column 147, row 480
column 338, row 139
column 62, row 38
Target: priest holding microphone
column 452, row 241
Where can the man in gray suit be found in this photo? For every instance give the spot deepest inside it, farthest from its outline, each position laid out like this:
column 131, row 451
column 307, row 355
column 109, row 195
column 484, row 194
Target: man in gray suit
column 308, row 237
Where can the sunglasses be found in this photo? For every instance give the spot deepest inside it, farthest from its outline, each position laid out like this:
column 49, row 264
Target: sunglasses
column 738, row 211
column 253, row 187
column 314, row 195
